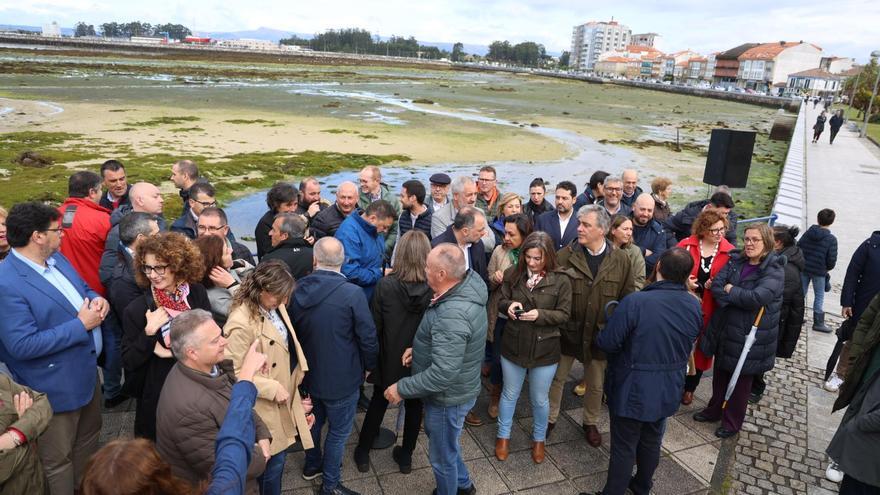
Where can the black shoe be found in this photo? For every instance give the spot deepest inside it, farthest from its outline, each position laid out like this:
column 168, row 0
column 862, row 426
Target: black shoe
column 115, row 401
column 702, row 418
column 755, row 398
column 339, row 490
column 362, row 459
column 309, row 474
column 403, row 459
column 461, row 491
column 722, row 433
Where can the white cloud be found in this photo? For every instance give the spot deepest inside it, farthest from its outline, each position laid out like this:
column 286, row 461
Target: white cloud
column 846, row 27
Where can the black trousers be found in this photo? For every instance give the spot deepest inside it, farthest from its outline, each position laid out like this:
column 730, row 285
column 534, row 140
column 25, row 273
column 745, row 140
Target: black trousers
column 834, row 133
column 376, row 412
column 633, row 442
column 691, row 382
column 852, row 486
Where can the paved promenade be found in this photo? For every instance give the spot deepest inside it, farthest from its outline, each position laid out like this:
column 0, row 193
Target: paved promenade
column 781, row 449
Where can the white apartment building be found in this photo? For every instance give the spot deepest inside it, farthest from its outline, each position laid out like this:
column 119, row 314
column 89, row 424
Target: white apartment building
column 590, row 40
column 52, row 30
column 249, row 44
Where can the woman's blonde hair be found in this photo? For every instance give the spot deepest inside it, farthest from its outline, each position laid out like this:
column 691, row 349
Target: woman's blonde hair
column 272, row 276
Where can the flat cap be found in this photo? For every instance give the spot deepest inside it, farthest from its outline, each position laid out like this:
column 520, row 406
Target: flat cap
column 441, row 179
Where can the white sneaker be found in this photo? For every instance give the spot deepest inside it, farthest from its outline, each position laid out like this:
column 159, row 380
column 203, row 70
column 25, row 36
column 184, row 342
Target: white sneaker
column 833, row 384
column 833, row 473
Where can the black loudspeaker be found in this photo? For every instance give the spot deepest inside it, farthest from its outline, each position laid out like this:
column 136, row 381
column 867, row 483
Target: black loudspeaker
column 730, row 157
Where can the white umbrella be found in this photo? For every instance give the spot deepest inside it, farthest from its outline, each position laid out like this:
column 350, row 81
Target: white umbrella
column 750, row 340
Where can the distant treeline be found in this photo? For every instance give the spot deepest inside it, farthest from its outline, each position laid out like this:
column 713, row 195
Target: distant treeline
column 527, row 53
column 362, row 41
column 136, row 28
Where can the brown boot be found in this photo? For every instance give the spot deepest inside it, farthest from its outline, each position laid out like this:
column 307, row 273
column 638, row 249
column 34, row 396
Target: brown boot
column 538, row 452
column 501, row 445
column 472, row 419
column 687, row 398
column 592, row 435
column 494, row 400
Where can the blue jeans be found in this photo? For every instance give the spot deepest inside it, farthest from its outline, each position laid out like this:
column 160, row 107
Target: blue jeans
column 339, row 413
column 112, row 335
column 443, row 426
column 818, row 290
column 540, row 379
column 270, row 480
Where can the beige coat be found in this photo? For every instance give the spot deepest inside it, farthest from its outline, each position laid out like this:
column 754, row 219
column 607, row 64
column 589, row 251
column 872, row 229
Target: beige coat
column 285, row 421
column 500, row 261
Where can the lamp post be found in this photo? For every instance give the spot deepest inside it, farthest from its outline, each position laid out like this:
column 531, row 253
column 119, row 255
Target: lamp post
column 874, row 55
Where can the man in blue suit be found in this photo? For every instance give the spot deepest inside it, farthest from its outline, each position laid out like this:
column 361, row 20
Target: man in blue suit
column 648, row 340
column 50, row 338
column 558, row 224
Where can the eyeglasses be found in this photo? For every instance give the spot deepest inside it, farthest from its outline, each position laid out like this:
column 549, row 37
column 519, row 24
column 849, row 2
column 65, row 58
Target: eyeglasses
column 206, row 228
column 752, row 240
column 717, row 231
column 481, row 179
column 58, row 230
column 613, row 189
column 159, row 269
column 208, row 204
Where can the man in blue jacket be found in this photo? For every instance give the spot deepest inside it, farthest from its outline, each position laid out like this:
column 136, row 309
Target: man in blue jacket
column 363, row 237
column 50, row 338
column 648, row 234
column 648, row 340
column 338, row 336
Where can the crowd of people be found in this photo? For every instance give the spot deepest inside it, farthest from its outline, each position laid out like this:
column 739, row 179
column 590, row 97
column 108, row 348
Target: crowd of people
column 233, row 360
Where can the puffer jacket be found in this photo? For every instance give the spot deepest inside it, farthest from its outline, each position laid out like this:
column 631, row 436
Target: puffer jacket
column 589, row 296
column 857, row 440
column 820, row 251
column 191, row 410
column 865, row 339
column 530, row 344
column 791, row 315
column 449, row 347
column 862, row 279
column 20, row 468
column 732, row 321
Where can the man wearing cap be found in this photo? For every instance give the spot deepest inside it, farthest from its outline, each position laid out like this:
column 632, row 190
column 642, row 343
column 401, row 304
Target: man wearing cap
column 439, row 191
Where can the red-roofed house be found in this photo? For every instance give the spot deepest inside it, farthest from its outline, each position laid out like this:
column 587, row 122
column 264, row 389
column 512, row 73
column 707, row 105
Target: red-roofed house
column 768, row 64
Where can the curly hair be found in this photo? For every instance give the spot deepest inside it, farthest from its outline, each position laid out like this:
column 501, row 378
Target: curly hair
column 182, row 256
column 272, row 276
column 211, row 247
column 706, row 219
column 132, row 467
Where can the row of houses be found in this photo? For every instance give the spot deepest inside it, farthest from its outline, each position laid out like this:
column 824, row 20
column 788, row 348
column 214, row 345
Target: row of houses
column 609, row 49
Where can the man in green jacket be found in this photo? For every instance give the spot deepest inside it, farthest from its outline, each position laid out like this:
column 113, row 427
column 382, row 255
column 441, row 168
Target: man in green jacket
column 447, row 352
column 373, row 189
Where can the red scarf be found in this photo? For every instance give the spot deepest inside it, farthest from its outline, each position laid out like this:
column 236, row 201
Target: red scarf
column 175, row 301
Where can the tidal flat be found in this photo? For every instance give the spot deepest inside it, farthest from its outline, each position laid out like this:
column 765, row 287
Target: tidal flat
column 250, row 124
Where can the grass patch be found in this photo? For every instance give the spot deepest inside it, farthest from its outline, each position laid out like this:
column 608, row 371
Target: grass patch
column 873, row 129
column 186, row 129
column 368, row 136
column 340, row 131
column 157, row 121
column 266, row 123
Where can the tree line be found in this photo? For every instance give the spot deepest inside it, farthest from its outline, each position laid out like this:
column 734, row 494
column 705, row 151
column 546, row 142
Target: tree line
column 136, row 28
column 354, row 40
column 863, row 83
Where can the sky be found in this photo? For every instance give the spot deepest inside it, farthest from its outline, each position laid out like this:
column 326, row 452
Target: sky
column 846, row 28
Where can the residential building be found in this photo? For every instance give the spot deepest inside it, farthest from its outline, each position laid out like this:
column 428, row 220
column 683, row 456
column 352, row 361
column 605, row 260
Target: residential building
column 768, row 65
column 612, row 67
column 727, row 65
column 696, row 70
column 590, row 40
column 836, row 65
column 644, row 39
column 674, row 65
column 814, row 82
column 52, row 30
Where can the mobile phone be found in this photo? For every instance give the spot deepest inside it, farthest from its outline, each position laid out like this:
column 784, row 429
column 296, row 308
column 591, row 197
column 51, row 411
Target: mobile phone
column 518, row 312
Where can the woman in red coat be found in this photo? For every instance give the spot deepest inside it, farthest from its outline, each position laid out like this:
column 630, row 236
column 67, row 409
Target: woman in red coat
column 710, row 251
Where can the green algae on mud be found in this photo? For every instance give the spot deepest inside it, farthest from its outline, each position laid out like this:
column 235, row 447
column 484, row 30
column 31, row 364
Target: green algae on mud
column 233, row 174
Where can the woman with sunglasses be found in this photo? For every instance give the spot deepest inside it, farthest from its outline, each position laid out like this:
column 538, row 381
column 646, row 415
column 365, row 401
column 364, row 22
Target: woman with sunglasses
column 168, row 266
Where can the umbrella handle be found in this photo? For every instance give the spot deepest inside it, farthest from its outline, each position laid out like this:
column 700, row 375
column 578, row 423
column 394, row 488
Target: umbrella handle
column 760, row 315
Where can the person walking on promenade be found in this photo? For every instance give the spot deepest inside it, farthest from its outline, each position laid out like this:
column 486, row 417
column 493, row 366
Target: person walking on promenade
column 506, row 255
column 600, row 274
column 860, row 284
column 168, row 267
column 819, row 247
column 710, row 252
column 819, row 126
column 853, row 449
column 648, row 340
column 333, row 322
column 834, row 124
column 50, row 339
column 259, row 314
column 748, row 282
column 447, row 351
column 399, row 301
column 536, row 296
column 791, row 315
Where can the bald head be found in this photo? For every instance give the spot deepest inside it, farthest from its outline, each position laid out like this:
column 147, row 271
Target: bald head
column 346, row 197
column 630, row 181
column 643, row 209
column 370, row 180
column 446, row 266
column 146, row 198
column 329, row 254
